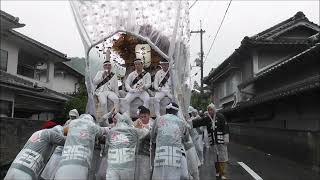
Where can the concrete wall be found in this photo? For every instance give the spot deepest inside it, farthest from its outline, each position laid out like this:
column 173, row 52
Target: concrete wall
column 226, row 87
column 299, row 112
column 64, row 83
column 14, row 134
column 288, row 127
column 300, row 146
column 50, row 83
column 270, row 56
column 246, row 68
column 13, row 58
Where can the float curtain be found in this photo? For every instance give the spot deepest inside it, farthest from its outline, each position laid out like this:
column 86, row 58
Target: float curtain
column 163, row 24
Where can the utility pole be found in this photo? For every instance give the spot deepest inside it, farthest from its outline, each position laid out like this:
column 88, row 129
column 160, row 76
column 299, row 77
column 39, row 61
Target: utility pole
column 201, row 55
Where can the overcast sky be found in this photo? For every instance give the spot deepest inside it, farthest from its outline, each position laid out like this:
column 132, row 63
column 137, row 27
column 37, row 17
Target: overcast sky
column 52, row 23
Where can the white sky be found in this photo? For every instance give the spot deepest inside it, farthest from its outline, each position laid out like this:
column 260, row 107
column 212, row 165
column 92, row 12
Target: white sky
column 52, row 23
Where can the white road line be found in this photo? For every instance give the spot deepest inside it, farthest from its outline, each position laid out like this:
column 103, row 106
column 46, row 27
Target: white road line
column 250, row 171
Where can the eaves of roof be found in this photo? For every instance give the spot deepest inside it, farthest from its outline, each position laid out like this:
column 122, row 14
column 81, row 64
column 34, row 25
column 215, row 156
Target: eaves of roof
column 259, row 39
column 315, row 48
column 278, row 42
column 285, row 91
column 39, row 45
column 13, row 82
column 249, row 43
column 81, row 74
column 299, row 16
column 12, row 19
column 36, row 92
column 224, row 64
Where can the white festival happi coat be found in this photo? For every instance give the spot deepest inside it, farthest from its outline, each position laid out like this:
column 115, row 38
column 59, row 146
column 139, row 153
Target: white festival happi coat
column 78, row 149
column 36, row 152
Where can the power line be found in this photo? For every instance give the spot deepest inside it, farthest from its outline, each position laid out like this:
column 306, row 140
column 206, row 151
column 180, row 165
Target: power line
column 218, row 29
column 216, row 35
column 193, row 4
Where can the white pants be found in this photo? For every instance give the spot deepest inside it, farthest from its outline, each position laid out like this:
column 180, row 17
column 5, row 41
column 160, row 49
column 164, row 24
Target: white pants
column 193, row 163
column 103, row 97
column 158, row 96
column 72, row 172
column 206, row 138
column 124, row 174
column 17, row 174
column 199, row 149
column 101, row 174
column 131, row 96
column 221, row 152
column 143, row 171
column 166, row 173
column 171, row 173
column 52, row 166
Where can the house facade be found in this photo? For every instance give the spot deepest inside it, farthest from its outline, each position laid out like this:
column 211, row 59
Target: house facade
column 269, row 90
column 35, row 80
column 268, row 71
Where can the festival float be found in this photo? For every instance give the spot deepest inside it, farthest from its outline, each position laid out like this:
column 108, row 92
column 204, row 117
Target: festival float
column 121, row 31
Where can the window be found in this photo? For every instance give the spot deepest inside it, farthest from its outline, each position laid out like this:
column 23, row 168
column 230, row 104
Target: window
column 222, row 89
column 229, row 85
column 4, row 60
column 32, row 67
column 232, row 83
column 5, row 108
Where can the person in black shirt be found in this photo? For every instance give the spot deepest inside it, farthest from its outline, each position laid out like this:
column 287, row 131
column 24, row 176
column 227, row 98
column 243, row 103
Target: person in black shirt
column 218, row 132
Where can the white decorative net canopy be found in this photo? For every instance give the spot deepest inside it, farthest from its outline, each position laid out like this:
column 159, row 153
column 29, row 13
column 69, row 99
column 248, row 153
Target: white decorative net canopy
column 164, row 25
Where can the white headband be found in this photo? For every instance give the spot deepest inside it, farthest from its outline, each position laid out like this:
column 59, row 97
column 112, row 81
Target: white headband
column 211, row 106
column 170, row 106
column 138, row 61
column 164, row 62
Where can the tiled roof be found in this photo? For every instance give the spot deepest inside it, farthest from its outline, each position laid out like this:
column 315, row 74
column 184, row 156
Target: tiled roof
column 82, row 74
column 315, row 48
column 299, row 16
column 259, row 39
column 288, row 90
column 279, row 42
column 10, row 18
column 12, row 81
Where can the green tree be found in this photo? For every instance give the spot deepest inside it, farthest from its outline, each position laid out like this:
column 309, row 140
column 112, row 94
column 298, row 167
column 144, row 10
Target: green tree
column 78, row 101
column 200, row 101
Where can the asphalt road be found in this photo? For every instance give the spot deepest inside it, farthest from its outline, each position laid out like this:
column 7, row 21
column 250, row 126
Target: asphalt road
column 247, row 163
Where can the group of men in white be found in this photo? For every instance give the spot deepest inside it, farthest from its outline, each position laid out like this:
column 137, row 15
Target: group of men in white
column 117, row 148
column 169, row 147
column 137, row 84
